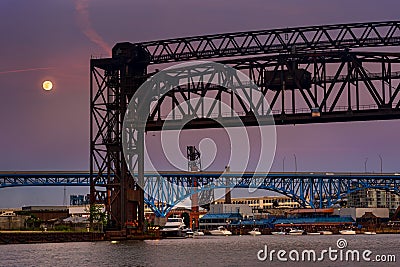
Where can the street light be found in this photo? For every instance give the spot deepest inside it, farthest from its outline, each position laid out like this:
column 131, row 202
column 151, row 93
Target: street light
column 380, row 157
column 365, row 165
column 283, row 165
column 295, row 162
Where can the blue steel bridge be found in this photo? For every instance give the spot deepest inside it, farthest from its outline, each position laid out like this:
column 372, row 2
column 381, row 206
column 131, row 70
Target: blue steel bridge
column 164, row 190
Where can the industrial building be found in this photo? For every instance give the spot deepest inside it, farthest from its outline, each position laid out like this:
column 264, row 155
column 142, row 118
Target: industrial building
column 374, row 198
column 264, row 203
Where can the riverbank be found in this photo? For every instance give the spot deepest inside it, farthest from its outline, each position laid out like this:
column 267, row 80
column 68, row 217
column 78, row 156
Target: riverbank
column 27, row 237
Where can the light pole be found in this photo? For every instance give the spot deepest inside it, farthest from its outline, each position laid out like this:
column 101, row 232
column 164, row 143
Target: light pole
column 365, row 165
column 295, row 162
column 283, row 164
column 380, row 157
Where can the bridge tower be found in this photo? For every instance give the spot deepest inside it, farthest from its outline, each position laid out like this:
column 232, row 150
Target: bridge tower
column 111, row 183
column 194, row 165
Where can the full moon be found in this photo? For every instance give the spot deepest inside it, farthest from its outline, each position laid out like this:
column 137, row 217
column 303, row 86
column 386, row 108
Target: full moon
column 47, row 85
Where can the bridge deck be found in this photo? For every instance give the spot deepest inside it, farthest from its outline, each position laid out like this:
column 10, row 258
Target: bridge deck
column 314, row 189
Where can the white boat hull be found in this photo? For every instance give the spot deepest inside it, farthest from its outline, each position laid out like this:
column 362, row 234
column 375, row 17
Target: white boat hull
column 326, row 233
column 174, row 228
column 347, row 232
column 221, row 231
column 296, row 232
column 369, row 233
column 278, row 233
column 254, row 233
column 198, row 233
column 173, row 233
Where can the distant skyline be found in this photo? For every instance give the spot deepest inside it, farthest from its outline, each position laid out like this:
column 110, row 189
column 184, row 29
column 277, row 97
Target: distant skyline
column 54, row 40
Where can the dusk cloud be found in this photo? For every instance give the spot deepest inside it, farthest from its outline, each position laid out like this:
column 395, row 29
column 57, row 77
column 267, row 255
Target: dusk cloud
column 83, row 19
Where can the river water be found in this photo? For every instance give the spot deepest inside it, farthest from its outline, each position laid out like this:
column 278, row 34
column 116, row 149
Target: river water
column 201, row 251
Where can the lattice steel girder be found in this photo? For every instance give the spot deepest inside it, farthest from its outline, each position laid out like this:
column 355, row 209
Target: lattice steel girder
column 162, row 194
column 345, row 86
column 334, row 74
column 111, row 90
column 105, row 110
column 164, row 191
column 339, row 36
column 11, row 179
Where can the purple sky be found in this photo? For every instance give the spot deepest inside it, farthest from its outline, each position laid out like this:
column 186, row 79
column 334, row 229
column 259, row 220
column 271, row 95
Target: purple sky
column 50, row 130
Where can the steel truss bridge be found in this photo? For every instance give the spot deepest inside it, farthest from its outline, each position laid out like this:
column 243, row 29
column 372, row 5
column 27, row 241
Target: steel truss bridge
column 165, row 190
column 314, row 74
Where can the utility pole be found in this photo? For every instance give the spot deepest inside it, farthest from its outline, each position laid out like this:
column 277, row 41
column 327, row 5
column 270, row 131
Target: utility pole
column 283, row 164
column 65, row 196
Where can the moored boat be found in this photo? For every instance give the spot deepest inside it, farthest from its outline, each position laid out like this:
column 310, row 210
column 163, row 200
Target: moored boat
column 347, row 232
column 255, row 232
column 221, row 231
column 369, row 233
column 326, row 232
column 278, row 233
column 174, row 228
column 198, row 233
column 296, row 232
column 189, row 232
column 314, row 233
